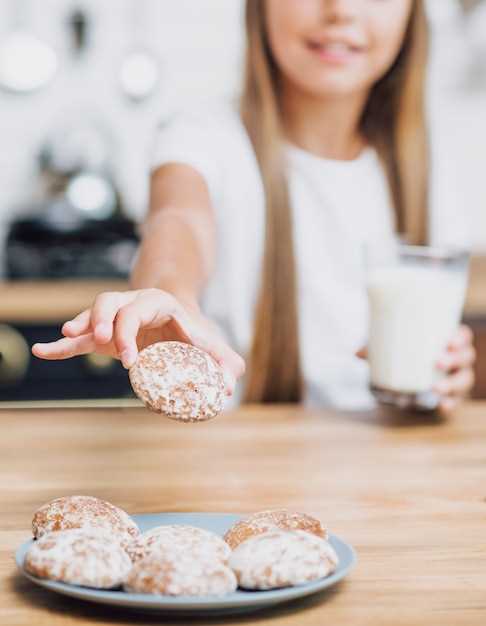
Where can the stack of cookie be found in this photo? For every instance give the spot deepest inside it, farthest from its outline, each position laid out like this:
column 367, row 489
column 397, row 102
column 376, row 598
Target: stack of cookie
column 85, row 541
column 274, row 549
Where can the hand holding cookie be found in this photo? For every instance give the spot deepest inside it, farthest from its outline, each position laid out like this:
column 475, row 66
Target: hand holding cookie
column 122, row 323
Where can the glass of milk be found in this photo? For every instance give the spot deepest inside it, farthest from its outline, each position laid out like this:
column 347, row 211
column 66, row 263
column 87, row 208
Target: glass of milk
column 416, row 295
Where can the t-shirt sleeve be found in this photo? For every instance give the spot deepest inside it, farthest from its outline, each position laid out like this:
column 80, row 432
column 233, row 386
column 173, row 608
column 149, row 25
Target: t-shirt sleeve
column 193, row 141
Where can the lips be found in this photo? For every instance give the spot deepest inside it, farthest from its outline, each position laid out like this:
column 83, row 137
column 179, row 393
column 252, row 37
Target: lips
column 335, row 50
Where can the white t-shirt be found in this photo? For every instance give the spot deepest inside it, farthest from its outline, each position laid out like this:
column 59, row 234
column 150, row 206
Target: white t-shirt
column 337, row 207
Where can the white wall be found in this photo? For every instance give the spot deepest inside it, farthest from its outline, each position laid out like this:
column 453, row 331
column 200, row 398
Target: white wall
column 199, row 43
column 458, row 108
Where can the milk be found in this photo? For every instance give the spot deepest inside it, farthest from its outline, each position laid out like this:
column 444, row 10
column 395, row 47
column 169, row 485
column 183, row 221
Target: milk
column 414, row 312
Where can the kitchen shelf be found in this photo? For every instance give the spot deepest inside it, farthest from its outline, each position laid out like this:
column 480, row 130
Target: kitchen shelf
column 50, row 301
column 58, row 301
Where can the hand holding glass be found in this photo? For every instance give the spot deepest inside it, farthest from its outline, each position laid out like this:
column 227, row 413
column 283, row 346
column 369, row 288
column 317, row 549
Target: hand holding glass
column 416, row 295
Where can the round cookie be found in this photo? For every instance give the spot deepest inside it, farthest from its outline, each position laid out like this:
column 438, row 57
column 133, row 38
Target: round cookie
column 178, row 380
column 84, row 512
column 79, row 557
column 196, row 541
column 179, row 573
column 282, row 559
column 265, row 521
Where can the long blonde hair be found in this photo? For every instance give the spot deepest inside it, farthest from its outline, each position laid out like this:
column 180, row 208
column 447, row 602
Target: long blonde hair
column 393, row 123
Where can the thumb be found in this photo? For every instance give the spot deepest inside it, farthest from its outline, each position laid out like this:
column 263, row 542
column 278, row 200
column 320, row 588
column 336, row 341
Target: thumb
column 231, row 363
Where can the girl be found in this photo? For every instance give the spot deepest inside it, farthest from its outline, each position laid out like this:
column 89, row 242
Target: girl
column 258, row 213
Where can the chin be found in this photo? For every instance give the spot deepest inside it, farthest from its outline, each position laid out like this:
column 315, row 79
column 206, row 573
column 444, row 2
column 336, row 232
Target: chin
column 334, row 88
column 332, row 83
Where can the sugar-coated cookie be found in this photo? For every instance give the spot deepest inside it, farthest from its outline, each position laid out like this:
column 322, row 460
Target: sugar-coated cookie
column 189, row 539
column 178, row 380
column 265, row 521
column 79, row 557
column 282, row 559
column 84, row 512
column 179, row 573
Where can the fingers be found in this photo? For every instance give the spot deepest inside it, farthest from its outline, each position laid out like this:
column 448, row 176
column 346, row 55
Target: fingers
column 127, row 326
column 456, row 385
column 79, row 325
column 148, row 311
column 453, row 389
column 231, row 363
column 460, row 351
column 151, row 311
column 103, row 314
column 205, row 335
column 458, row 361
column 116, row 320
column 448, row 405
column 65, row 348
column 99, row 319
column 460, row 358
column 362, row 353
column 463, row 337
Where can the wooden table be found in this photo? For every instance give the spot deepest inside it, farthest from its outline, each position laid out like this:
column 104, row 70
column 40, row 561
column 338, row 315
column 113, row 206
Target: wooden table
column 408, row 492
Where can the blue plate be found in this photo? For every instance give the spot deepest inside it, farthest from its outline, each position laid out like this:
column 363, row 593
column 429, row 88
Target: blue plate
column 239, row 601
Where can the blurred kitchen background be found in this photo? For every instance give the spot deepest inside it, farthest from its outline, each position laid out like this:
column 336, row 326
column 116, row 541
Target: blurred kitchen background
column 83, row 83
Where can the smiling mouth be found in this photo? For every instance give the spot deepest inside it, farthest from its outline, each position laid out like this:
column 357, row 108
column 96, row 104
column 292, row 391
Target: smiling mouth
column 338, row 49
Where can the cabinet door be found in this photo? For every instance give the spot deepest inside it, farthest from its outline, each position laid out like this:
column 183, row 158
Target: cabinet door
column 478, row 326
